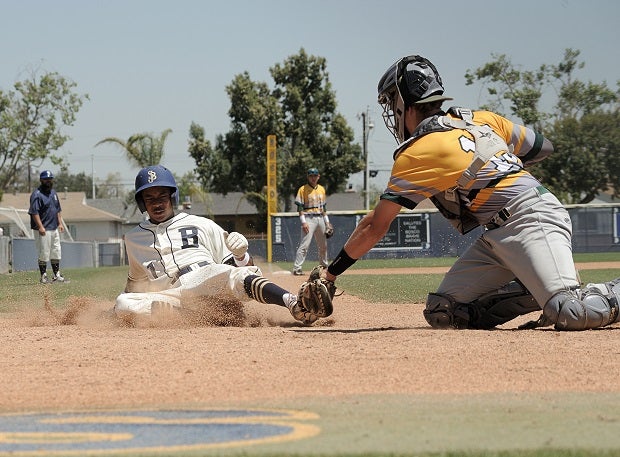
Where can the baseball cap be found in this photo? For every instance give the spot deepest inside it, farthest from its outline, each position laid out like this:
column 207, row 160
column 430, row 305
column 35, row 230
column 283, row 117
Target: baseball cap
column 46, row 174
column 313, row 171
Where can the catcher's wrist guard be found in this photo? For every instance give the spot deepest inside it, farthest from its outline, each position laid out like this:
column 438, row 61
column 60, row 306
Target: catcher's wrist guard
column 340, row 263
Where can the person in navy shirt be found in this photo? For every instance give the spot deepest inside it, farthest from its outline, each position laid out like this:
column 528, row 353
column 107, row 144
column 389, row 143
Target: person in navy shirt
column 46, row 222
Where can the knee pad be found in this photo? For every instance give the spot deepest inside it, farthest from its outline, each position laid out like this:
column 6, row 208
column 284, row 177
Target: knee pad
column 604, row 297
column 566, row 311
column 594, row 306
column 443, row 312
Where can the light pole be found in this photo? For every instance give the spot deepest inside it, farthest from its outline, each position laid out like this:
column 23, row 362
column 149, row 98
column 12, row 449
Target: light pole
column 366, row 127
column 92, row 173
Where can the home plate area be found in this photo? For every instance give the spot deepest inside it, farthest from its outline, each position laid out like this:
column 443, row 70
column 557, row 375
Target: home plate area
column 149, row 430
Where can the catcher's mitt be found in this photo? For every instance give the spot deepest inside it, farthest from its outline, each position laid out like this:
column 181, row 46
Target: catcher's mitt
column 329, row 231
column 316, row 293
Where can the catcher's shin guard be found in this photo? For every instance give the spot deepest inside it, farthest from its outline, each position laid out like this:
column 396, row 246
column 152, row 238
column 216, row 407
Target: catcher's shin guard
column 443, row 312
column 502, row 305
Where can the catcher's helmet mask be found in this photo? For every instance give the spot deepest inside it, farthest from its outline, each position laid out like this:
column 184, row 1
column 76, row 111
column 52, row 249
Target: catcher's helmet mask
column 411, row 80
column 155, row 176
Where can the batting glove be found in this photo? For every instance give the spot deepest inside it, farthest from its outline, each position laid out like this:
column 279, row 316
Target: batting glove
column 236, row 243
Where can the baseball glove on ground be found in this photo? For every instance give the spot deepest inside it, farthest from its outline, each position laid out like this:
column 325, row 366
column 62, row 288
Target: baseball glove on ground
column 329, row 231
column 316, row 294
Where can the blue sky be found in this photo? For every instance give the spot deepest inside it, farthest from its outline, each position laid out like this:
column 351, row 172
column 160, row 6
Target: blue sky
column 149, row 65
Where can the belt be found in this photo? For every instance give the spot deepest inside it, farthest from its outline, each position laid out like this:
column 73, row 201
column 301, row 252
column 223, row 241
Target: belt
column 500, row 217
column 191, row 267
column 503, row 214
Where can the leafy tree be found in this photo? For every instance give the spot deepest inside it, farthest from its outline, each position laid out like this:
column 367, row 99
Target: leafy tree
column 189, row 187
column 141, row 149
column 505, row 83
column 583, row 126
column 301, row 112
column 315, row 134
column 31, row 120
column 111, row 187
column 586, row 159
column 211, row 168
column 80, row 182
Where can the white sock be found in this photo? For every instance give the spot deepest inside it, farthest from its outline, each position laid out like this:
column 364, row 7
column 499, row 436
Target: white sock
column 289, row 299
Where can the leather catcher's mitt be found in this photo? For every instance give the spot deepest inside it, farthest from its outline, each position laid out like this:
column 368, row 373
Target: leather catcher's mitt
column 316, row 294
column 301, row 314
column 329, row 230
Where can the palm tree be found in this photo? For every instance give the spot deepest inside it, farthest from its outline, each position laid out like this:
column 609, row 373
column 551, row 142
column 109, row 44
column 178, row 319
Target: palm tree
column 142, row 149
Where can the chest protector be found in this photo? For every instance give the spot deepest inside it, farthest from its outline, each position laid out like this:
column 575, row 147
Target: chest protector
column 454, row 202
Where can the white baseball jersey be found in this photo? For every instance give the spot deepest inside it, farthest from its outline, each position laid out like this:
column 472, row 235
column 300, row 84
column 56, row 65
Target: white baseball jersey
column 156, row 252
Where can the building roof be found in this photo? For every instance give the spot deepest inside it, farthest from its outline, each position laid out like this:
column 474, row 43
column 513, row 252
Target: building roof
column 73, row 204
column 231, row 204
column 346, row 201
column 77, row 208
column 606, row 197
column 128, row 213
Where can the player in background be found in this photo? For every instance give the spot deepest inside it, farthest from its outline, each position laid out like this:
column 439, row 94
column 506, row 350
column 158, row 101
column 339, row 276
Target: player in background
column 176, row 258
column 46, row 223
column 311, row 204
column 523, row 261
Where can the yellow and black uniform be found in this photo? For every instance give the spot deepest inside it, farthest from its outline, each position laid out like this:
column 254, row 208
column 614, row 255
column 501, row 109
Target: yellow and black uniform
column 471, row 166
column 431, row 165
column 427, row 166
column 311, row 200
column 311, row 205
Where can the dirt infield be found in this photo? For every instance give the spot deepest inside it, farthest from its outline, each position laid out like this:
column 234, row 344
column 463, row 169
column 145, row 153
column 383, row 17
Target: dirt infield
column 88, row 361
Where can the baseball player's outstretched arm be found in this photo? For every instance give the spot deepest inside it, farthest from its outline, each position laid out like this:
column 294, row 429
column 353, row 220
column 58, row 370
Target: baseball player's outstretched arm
column 367, row 233
column 371, row 229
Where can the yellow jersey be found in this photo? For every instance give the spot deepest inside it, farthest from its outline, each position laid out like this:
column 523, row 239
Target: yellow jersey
column 311, row 200
column 431, row 164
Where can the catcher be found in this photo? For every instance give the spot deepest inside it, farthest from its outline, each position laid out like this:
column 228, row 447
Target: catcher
column 175, row 258
column 473, row 167
column 311, row 204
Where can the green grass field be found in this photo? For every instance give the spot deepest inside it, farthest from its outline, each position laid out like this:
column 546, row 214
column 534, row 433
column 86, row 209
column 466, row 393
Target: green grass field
column 446, row 261
column 106, row 283
column 392, row 288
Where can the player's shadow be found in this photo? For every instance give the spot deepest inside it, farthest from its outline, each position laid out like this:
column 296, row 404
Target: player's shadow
column 352, row 330
column 389, row 329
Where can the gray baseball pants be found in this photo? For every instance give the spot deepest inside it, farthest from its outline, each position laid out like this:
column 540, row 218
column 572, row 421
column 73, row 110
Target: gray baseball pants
column 533, row 245
column 316, row 226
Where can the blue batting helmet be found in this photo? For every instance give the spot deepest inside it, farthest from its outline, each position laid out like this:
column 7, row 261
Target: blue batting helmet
column 46, row 174
column 155, row 176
